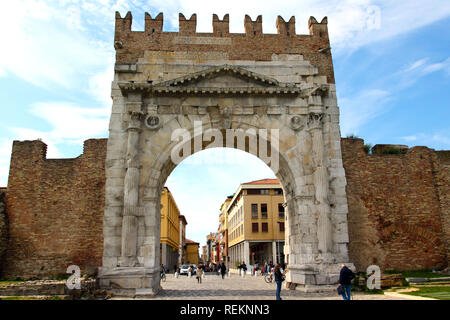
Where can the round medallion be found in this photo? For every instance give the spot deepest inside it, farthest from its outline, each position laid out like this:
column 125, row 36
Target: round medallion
column 152, row 122
column 296, row 123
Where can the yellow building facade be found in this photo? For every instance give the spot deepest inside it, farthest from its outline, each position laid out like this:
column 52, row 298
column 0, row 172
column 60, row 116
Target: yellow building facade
column 223, row 230
column 170, row 230
column 256, row 223
column 192, row 254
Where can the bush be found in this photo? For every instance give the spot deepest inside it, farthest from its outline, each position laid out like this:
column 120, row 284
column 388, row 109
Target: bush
column 368, row 148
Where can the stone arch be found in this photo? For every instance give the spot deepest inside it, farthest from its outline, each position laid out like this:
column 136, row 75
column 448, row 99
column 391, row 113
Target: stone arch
column 228, row 99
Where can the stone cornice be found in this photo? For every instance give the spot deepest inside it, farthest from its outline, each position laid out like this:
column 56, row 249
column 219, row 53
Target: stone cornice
column 315, row 90
column 127, row 87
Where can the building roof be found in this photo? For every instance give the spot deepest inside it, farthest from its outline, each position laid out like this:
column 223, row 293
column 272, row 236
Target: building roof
column 182, row 218
column 264, row 181
column 189, row 241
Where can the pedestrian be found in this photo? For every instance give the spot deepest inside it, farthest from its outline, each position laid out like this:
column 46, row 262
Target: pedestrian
column 223, row 270
column 189, row 271
column 199, row 273
column 345, row 279
column 279, row 278
column 244, row 268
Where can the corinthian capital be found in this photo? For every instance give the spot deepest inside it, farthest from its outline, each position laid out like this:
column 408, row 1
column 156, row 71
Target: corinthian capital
column 315, row 120
column 135, row 119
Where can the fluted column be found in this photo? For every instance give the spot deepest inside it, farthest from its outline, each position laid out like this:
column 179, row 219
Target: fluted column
column 131, row 193
column 324, row 226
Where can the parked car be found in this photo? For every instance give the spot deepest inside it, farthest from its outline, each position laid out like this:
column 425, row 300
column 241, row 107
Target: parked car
column 184, row 269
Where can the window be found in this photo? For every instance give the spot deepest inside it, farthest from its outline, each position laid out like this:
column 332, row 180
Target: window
column 253, row 191
column 254, row 211
column 281, row 226
column 281, row 211
column 278, row 191
column 264, row 210
column 255, row 227
column 265, row 227
column 264, row 191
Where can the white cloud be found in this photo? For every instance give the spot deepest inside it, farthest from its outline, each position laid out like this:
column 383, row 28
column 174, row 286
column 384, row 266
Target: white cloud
column 416, row 64
column 69, row 124
column 46, row 46
column 418, row 69
column 409, row 138
column 437, row 139
column 357, row 110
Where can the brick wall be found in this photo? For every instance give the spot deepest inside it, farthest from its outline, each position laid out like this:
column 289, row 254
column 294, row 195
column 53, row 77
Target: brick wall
column 55, row 210
column 398, row 207
column 3, row 225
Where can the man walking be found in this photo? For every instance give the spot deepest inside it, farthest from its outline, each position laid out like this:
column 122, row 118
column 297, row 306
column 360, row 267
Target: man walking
column 345, row 279
column 223, row 270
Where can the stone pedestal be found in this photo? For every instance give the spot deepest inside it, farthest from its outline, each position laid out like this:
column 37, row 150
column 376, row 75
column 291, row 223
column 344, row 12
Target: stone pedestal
column 130, row 281
column 315, row 277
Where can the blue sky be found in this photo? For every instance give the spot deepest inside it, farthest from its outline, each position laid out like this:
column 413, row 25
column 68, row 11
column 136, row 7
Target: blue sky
column 391, row 62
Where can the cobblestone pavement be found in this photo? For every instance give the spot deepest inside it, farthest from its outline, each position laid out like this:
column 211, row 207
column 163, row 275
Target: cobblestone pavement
column 213, row 287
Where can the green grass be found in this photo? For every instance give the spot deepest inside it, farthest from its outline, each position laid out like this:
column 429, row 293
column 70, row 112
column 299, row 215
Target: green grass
column 10, row 281
column 31, row 298
column 441, row 293
column 417, row 273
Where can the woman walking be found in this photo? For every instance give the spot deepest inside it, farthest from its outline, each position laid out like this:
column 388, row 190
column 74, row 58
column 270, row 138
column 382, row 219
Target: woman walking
column 279, row 278
column 199, row 273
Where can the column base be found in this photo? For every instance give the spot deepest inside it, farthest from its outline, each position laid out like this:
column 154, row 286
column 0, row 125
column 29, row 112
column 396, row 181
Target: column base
column 314, row 277
column 129, row 281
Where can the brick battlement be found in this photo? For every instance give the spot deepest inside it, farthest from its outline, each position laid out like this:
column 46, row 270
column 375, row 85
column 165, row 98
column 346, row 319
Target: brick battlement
column 254, row 44
column 220, row 27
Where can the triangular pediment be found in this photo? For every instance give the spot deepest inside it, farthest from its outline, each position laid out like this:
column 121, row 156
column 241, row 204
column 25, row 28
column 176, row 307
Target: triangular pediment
column 225, row 76
column 224, row 79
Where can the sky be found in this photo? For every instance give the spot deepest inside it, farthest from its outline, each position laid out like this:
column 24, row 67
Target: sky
column 391, row 61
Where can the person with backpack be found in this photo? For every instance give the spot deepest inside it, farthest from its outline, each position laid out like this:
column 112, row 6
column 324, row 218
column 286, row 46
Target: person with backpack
column 345, row 280
column 244, row 268
column 279, row 278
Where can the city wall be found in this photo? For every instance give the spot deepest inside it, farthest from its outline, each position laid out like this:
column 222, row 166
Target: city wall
column 55, row 211
column 398, row 209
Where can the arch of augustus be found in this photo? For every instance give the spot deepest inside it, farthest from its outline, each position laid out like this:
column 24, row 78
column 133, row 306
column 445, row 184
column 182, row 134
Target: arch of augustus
column 221, row 82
